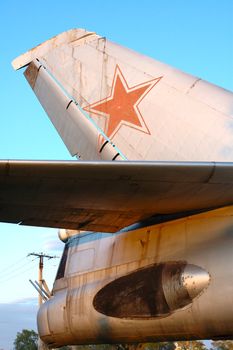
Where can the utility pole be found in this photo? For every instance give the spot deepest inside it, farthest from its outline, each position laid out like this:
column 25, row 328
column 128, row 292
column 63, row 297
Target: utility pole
column 41, row 281
column 42, row 286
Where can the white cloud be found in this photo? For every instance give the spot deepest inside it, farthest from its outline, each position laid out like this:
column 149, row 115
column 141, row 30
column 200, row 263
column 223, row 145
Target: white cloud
column 53, row 245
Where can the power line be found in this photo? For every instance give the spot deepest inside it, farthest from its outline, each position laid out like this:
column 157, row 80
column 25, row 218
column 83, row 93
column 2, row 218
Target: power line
column 42, row 255
column 10, row 267
column 41, row 286
column 9, row 273
column 41, row 281
column 52, row 263
column 16, row 274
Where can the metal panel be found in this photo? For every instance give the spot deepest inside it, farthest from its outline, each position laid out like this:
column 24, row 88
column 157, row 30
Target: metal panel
column 81, row 261
column 174, row 118
column 108, row 196
column 204, row 241
column 73, row 35
column 78, row 132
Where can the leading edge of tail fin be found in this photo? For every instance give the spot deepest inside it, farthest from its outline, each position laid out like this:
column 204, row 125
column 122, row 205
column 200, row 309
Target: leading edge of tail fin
column 145, row 108
column 78, row 131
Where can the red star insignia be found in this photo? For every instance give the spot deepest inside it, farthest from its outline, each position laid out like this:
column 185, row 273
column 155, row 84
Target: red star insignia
column 122, row 106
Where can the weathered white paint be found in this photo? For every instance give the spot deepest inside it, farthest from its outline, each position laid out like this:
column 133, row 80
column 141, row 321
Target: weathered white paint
column 188, row 119
column 204, row 240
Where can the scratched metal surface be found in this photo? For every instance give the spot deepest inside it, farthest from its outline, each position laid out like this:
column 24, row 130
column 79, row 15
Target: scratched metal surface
column 204, row 241
column 109, row 195
column 79, row 133
column 148, row 109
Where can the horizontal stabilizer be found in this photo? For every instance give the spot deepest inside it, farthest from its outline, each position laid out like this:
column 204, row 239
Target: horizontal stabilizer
column 107, row 196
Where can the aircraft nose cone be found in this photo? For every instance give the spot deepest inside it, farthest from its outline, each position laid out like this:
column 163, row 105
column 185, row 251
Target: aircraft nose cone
column 194, row 279
column 181, row 287
column 154, row 291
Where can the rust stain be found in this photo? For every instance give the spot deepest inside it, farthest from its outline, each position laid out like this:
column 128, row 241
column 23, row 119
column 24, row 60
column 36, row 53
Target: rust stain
column 140, row 294
column 31, row 74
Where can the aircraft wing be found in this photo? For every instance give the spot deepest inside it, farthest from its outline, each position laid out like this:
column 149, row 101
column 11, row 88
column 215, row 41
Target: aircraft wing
column 107, row 196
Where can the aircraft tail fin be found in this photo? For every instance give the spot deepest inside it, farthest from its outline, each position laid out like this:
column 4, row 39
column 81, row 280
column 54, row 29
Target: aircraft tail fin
column 145, row 109
column 78, row 131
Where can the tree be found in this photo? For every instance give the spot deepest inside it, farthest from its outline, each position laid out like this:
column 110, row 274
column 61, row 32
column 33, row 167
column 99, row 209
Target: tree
column 140, row 346
column 158, row 346
column 190, row 345
column 26, row 340
column 136, row 346
column 222, row 345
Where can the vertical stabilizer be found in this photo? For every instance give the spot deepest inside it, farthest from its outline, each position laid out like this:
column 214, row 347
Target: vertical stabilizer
column 144, row 108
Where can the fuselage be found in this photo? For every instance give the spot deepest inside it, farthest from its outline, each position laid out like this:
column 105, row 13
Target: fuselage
column 166, row 281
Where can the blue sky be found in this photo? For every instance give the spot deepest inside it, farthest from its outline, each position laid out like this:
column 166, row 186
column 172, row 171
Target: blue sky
column 195, row 36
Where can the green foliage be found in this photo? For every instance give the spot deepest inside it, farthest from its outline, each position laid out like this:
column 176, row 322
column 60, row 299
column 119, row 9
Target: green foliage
column 159, row 346
column 140, row 346
column 222, row 345
column 180, row 345
column 190, row 345
column 26, row 340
